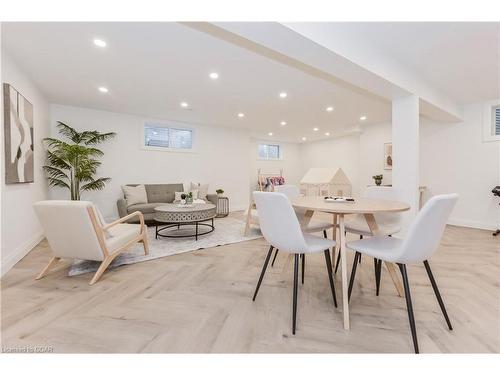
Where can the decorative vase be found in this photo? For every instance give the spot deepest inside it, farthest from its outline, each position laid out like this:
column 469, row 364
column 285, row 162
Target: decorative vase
column 189, row 200
column 220, row 195
column 378, row 181
column 183, row 201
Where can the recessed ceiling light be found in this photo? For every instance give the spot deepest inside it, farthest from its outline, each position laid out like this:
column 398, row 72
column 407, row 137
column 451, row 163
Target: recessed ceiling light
column 362, row 118
column 103, row 89
column 304, row 138
column 214, row 75
column 327, row 134
column 270, row 134
column 329, row 109
column 283, row 123
column 100, row 43
column 184, row 105
column 241, row 114
column 283, row 94
column 315, row 129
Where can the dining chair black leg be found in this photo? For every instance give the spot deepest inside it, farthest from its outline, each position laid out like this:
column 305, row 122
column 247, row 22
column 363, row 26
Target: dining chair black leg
column 324, row 234
column 409, row 306
column 274, row 258
column 378, row 274
column 360, row 237
column 438, row 295
column 330, row 275
column 295, row 289
column 353, row 274
column 263, row 272
column 337, row 263
column 303, row 266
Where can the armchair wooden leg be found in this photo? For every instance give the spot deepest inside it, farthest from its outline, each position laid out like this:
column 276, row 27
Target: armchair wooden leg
column 104, row 265
column 46, row 269
column 145, row 242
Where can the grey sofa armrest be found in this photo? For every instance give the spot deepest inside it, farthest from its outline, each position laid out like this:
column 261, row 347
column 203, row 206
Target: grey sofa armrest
column 212, row 198
column 122, row 207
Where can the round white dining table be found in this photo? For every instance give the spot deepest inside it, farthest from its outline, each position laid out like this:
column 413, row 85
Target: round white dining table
column 363, row 206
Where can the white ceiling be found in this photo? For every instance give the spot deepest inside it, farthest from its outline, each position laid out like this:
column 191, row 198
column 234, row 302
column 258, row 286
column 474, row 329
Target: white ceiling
column 461, row 59
column 150, row 68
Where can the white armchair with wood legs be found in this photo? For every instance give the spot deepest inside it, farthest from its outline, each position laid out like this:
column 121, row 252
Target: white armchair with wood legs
column 420, row 243
column 76, row 229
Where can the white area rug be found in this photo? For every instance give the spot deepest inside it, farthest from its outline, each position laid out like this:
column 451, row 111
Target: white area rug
column 227, row 230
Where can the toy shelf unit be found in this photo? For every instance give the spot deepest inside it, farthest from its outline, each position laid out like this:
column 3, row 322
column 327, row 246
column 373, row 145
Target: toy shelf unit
column 265, row 182
column 325, row 182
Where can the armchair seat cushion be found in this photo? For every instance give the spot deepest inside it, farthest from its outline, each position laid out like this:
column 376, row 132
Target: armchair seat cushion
column 145, row 208
column 120, row 234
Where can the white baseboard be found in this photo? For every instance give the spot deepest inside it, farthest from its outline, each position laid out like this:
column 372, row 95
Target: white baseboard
column 472, row 224
column 19, row 253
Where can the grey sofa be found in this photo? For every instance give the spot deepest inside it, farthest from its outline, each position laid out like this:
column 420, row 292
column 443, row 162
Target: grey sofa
column 158, row 194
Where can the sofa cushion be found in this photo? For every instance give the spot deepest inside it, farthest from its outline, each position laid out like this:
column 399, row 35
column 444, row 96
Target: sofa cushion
column 162, row 193
column 145, row 208
column 135, row 194
column 202, row 189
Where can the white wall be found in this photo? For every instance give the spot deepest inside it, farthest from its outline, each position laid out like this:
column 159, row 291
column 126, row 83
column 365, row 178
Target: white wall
column 220, row 157
column 371, row 154
column 453, row 158
column 20, row 228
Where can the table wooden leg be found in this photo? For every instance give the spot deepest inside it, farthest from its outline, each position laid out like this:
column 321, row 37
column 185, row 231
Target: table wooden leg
column 306, row 219
column 334, row 237
column 395, row 278
column 343, row 263
column 372, row 224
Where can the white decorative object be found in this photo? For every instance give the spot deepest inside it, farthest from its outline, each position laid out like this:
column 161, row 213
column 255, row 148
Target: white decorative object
column 325, row 182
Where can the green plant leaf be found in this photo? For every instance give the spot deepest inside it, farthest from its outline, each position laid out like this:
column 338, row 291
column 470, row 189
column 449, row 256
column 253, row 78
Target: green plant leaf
column 97, row 184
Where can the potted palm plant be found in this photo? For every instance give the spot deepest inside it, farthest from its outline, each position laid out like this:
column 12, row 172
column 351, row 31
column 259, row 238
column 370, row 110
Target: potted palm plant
column 73, row 164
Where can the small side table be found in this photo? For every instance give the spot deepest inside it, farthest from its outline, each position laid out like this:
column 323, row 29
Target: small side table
column 222, row 206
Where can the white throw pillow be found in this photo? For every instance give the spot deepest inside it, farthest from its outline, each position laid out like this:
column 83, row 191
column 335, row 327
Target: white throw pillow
column 135, row 194
column 202, row 190
column 178, row 195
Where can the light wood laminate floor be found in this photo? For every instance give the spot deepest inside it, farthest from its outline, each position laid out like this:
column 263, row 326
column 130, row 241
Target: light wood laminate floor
column 201, row 302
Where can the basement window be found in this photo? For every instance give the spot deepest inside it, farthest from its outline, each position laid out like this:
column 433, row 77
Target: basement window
column 270, row 152
column 495, row 116
column 161, row 137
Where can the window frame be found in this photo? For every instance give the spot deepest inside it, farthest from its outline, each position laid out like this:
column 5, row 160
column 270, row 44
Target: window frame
column 280, row 151
column 489, row 122
column 169, row 125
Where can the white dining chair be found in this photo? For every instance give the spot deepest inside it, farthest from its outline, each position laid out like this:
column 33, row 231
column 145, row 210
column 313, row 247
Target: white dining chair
column 281, row 229
column 420, row 243
column 388, row 223
column 292, row 192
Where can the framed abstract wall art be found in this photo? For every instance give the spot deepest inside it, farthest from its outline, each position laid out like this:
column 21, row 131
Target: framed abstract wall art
column 18, row 132
column 388, row 156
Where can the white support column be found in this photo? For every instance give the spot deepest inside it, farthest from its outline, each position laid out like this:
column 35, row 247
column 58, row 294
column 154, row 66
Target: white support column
column 405, row 151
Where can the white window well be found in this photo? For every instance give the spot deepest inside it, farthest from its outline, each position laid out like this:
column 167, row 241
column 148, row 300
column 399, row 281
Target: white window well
column 495, row 116
column 270, row 152
column 491, row 121
column 168, row 138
